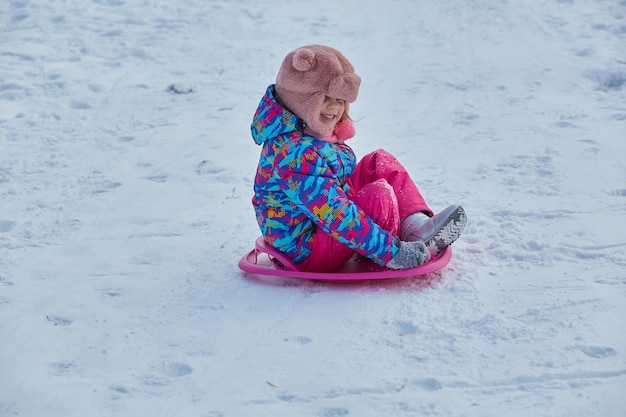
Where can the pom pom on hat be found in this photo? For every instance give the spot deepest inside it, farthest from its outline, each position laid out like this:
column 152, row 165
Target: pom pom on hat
column 309, row 74
column 344, row 130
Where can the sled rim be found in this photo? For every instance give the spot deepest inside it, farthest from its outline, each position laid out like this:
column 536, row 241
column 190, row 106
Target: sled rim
column 259, row 261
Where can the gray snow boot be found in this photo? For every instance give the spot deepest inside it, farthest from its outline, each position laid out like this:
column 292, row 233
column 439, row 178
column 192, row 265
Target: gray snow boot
column 437, row 232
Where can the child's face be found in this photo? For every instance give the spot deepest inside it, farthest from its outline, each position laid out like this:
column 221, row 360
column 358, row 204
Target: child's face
column 332, row 111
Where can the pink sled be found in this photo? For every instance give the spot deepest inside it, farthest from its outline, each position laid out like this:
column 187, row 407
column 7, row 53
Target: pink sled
column 265, row 260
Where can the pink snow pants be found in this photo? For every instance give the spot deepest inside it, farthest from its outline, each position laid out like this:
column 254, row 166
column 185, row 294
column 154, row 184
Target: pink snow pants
column 383, row 189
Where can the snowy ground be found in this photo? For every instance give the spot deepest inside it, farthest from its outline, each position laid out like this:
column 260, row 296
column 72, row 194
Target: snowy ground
column 124, row 208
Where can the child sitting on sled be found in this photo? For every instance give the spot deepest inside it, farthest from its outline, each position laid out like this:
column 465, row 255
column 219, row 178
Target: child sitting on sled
column 313, row 201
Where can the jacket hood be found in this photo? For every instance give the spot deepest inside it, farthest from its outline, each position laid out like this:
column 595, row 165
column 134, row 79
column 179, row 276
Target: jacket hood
column 272, row 120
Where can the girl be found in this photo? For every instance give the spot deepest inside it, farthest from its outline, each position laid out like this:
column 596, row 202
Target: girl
column 313, row 201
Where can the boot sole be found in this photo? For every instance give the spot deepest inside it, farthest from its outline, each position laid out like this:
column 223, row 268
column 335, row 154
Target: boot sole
column 448, row 233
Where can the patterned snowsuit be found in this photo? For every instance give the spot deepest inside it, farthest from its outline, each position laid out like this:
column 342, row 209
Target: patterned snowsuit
column 305, row 186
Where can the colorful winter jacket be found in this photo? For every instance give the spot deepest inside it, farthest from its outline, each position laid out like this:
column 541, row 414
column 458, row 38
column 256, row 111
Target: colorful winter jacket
column 302, row 183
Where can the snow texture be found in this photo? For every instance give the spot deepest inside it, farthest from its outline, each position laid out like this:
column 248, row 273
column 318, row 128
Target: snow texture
column 126, row 169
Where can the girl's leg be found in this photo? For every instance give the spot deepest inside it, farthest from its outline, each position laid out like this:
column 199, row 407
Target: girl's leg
column 438, row 231
column 378, row 201
column 327, row 254
column 381, row 164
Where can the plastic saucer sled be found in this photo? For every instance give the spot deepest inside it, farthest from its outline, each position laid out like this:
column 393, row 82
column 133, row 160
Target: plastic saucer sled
column 265, row 260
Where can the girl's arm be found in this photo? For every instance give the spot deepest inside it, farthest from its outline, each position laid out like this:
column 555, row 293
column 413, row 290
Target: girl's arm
column 311, row 185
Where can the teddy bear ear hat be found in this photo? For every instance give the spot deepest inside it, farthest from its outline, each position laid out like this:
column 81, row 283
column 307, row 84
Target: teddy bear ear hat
column 319, row 69
column 310, row 73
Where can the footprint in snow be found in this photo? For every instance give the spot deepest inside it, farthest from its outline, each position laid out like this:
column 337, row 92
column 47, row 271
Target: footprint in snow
column 107, row 186
column 177, row 369
column 406, row 328
column 179, row 88
column 208, row 168
column 615, row 193
column 300, row 340
column 112, row 292
column 5, row 281
column 119, row 389
column 157, row 178
column 608, row 80
column 79, row 105
column 598, row 352
column 62, row 367
column 112, row 3
column 428, row 384
column 6, row 226
column 334, row 412
column 59, row 321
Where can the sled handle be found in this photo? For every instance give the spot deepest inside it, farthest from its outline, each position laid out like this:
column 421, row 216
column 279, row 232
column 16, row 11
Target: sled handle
column 262, row 246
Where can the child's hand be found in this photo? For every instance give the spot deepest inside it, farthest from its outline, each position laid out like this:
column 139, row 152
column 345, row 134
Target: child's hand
column 410, row 255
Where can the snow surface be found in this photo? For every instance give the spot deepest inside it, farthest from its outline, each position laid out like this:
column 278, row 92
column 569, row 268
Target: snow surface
column 126, row 169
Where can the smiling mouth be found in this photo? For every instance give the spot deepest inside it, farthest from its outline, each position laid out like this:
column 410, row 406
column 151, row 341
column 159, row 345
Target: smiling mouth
column 328, row 116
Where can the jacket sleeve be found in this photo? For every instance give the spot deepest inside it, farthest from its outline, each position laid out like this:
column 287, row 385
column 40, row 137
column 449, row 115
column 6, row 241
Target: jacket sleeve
column 308, row 181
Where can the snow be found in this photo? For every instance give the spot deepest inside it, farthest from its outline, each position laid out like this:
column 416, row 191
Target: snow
column 126, row 170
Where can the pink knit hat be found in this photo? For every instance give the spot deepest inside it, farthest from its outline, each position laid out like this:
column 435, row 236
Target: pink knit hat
column 310, row 73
